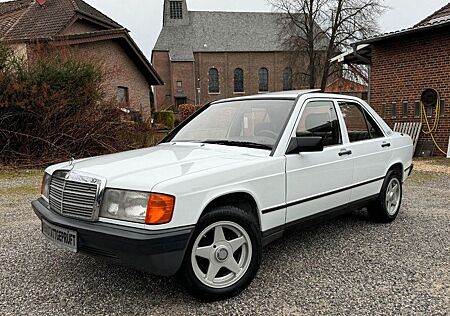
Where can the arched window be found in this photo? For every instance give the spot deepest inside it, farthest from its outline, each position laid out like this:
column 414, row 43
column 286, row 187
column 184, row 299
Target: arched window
column 238, row 80
column 287, row 79
column 263, row 80
column 213, row 86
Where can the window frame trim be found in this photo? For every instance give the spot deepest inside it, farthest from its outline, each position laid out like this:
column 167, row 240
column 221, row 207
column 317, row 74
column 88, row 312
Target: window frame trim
column 365, row 112
column 234, row 81
column 290, row 78
column 127, row 95
column 209, row 81
column 259, row 80
column 338, row 114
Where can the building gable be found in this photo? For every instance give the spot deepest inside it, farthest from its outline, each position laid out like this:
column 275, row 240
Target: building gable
column 205, row 31
column 33, row 21
column 81, row 25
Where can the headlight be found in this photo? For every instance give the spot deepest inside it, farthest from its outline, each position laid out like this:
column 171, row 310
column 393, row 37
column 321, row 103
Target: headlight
column 45, row 185
column 138, row 207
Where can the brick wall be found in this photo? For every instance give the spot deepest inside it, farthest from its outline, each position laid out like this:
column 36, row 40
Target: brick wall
column 225, row 63
column 120, row 71
column 403, row 68
column 163, row 93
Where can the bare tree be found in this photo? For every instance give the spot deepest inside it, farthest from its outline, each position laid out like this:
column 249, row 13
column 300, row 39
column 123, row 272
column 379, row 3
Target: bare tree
column 319, row 29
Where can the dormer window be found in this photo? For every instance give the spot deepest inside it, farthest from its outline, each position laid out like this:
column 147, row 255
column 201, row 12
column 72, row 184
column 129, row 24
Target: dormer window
column 176, row 9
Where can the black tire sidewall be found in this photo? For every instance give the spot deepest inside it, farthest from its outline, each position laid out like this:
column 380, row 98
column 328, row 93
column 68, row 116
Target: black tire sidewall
column 381, row 212
column 228, row 213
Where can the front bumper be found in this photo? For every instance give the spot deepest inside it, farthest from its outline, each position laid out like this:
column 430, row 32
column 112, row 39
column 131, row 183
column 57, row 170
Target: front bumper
column 157, row 252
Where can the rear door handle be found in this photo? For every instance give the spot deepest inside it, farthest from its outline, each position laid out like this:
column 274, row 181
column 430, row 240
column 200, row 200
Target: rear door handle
column 386, row 145
column 345, row 153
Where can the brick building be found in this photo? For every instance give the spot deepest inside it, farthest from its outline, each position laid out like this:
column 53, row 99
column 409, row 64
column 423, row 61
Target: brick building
column 402, row 65
column 348, row 87
column 204, row 56
column 74, row 27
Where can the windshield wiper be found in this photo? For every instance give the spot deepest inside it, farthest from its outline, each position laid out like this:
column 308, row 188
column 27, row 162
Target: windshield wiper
column 238, row 144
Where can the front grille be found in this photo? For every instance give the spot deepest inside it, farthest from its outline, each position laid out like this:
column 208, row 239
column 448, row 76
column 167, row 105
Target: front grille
column 72, row 198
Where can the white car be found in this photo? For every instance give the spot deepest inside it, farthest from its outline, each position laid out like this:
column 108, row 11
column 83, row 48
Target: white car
column 229, row 180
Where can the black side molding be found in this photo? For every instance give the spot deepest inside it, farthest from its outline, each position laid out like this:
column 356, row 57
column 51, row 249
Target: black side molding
column 277, row 232
column 273, row 209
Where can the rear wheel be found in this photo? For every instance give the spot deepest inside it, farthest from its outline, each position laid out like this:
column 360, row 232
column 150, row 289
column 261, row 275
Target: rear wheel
column 224, row 254
column 387, row 206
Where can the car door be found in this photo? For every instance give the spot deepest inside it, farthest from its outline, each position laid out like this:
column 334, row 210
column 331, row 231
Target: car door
column 317, row 181
column 370, row 149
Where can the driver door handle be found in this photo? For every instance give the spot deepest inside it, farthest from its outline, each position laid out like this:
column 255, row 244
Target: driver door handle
column 345, row 152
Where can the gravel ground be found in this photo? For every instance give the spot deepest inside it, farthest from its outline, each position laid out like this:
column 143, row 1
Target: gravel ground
column 348, row 266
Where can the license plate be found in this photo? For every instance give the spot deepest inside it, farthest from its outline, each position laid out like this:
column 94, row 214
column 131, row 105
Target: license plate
column 64, row 238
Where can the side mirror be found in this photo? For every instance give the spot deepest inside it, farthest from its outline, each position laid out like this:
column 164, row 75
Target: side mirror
column 305, row 144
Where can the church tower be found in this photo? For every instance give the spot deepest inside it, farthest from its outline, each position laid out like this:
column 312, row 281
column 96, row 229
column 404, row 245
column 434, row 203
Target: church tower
column 175, row 13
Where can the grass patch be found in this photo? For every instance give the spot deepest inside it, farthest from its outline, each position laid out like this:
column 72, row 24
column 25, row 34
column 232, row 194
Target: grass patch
column 11, row 174
column 439, row 161
column 20, row 190
column 422, row 177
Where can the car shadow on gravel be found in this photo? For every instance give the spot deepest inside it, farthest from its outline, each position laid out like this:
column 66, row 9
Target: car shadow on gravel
column 136, row 283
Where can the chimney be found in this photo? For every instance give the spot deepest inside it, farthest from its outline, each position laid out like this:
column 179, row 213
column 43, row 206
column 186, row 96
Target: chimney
column 41, row 2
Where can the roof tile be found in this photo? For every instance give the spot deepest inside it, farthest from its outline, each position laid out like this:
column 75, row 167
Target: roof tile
column 224, row 32
column 37, row 21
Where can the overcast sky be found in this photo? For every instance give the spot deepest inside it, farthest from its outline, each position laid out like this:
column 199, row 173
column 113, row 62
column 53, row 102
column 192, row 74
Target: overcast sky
column 144, row 17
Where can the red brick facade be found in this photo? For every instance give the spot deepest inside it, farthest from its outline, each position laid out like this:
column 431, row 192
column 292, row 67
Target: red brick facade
column 194, row 85
column 403, row 68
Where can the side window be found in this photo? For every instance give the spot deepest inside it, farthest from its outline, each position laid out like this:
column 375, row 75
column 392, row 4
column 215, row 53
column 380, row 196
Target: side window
column 360, row 125
column 319, row 118
column 374, row 129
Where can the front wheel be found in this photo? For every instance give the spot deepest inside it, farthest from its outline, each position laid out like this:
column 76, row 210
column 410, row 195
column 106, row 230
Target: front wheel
column 224, row 254
column 387, row 206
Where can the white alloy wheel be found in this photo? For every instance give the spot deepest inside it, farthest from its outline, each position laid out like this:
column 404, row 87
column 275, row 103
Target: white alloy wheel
column 221, row 254
column 393, row 196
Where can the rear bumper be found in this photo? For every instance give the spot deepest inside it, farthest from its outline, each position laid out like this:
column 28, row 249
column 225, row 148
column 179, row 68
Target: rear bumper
column 157, row 252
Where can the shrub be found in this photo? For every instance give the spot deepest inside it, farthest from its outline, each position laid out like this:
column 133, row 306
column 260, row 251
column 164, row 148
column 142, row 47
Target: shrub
column 165, row 118
column 186, row 110
column 55, row 109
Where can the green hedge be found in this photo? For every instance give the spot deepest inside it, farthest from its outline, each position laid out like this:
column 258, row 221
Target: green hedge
column 166, row 118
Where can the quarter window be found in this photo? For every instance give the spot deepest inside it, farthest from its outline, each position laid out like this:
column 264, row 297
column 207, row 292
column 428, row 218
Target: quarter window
column 214, row 86
column 263, row 80
column 238, row 80
column 319, row 118
column 374, row 129
column 360, row 125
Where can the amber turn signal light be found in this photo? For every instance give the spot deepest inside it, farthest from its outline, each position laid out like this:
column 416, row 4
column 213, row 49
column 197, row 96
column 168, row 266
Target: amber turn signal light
column 159, row 209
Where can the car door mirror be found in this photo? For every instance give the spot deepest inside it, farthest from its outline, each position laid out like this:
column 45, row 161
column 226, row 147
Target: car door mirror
column 305, row 144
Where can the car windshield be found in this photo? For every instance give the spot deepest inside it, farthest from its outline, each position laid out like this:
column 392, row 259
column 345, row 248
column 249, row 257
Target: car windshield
column 245, row 123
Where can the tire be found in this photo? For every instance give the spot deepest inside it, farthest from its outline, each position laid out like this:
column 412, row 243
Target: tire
column 216, row 253
column 385, row 209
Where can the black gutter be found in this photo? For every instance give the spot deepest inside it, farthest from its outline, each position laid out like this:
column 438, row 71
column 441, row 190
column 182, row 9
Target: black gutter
column 402, row 33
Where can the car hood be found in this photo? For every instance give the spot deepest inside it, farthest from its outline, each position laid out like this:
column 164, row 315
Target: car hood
column 144, row 168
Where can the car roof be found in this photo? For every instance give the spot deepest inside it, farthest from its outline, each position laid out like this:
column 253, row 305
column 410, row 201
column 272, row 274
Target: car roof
column 293, row 94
